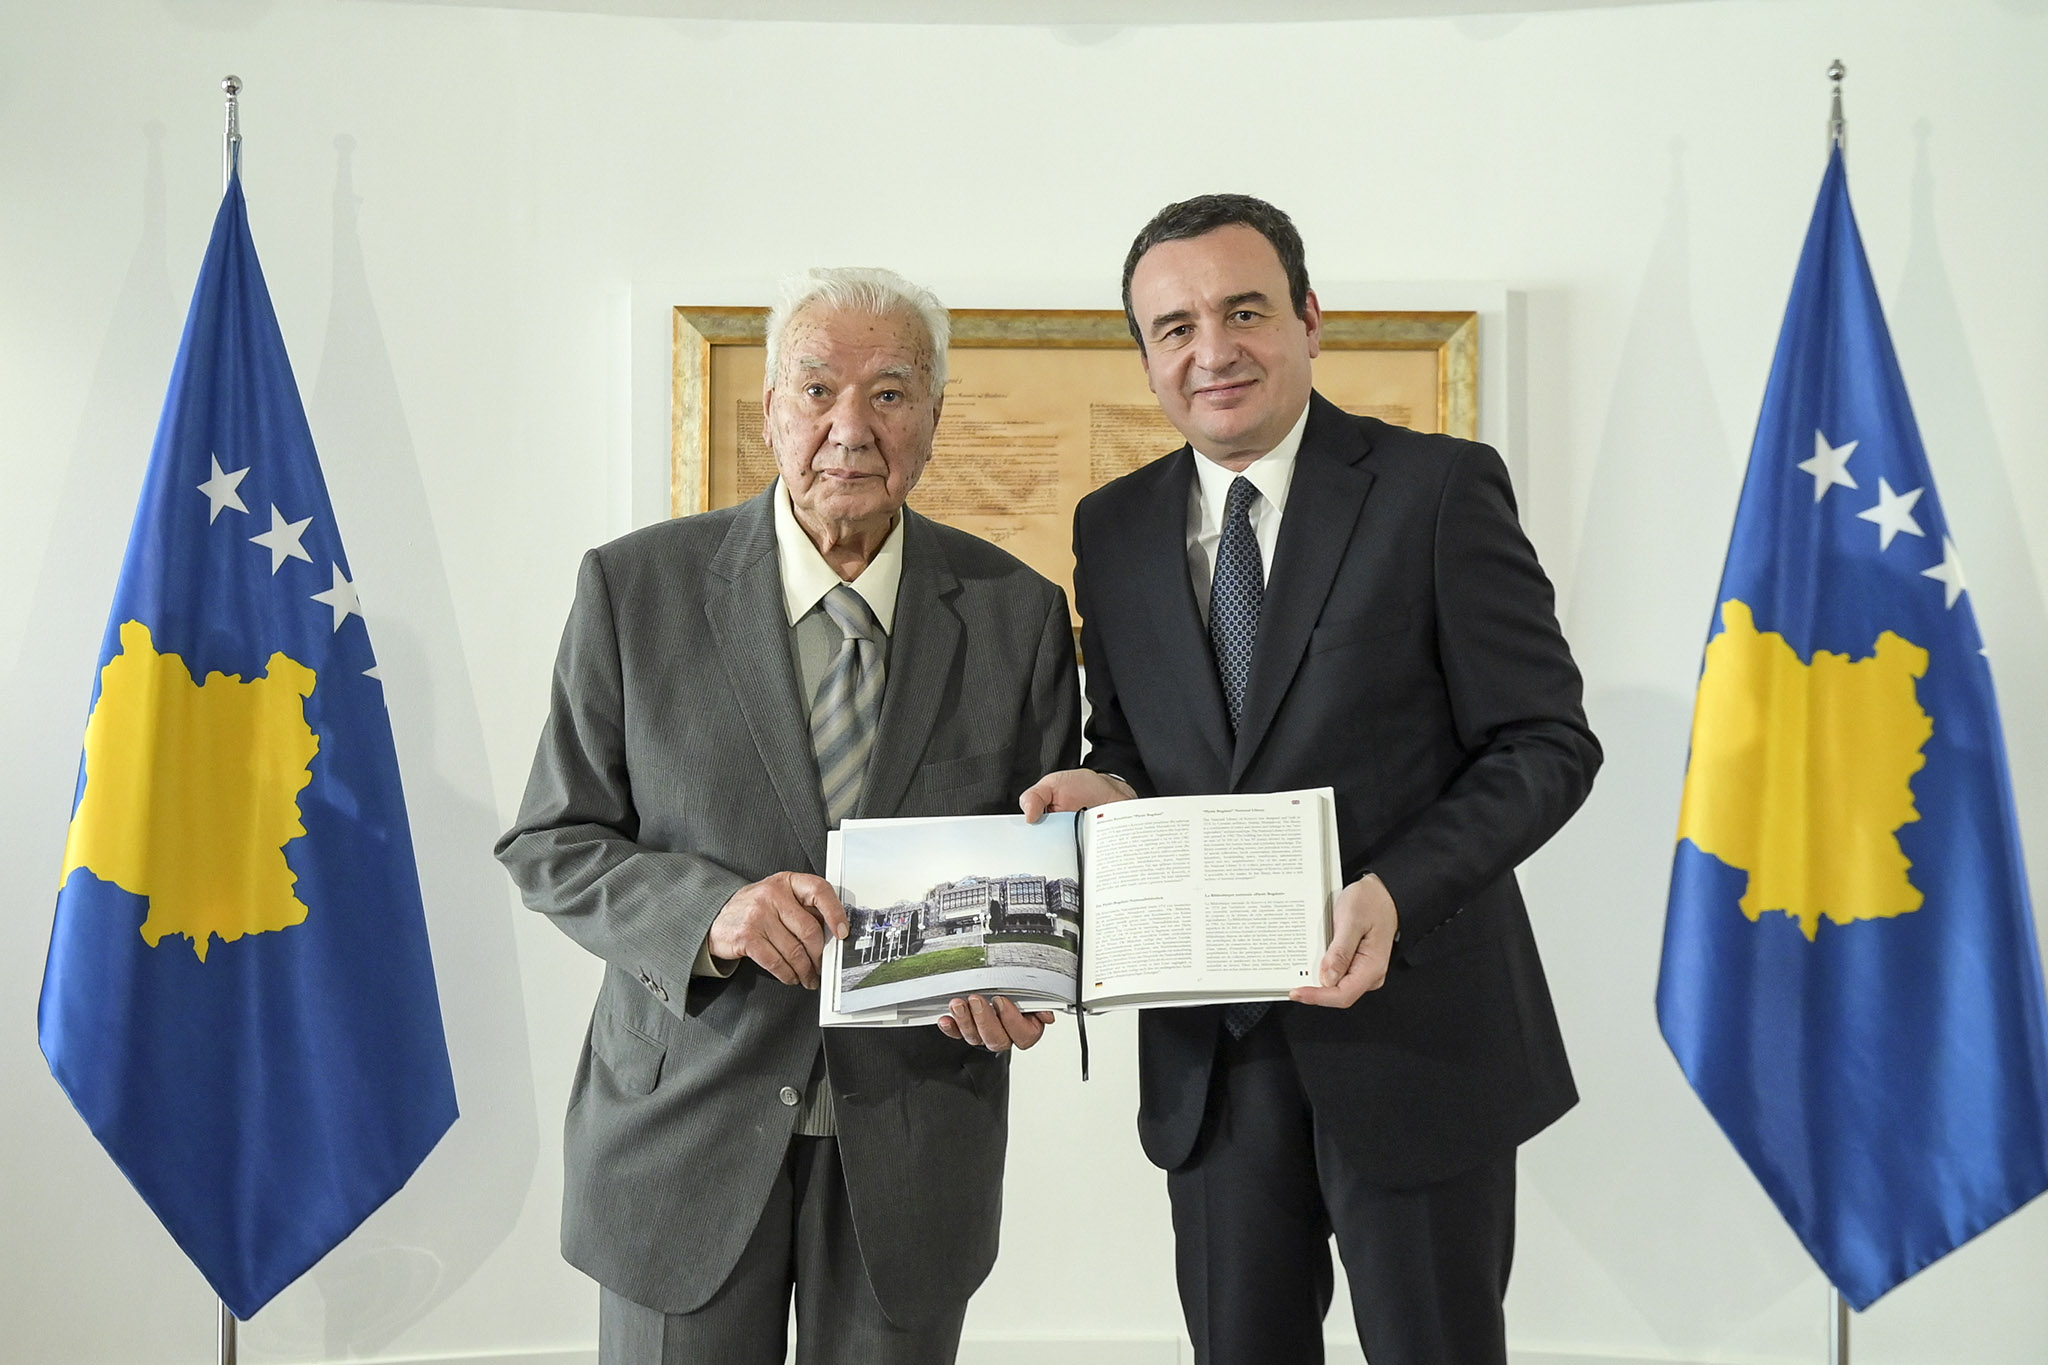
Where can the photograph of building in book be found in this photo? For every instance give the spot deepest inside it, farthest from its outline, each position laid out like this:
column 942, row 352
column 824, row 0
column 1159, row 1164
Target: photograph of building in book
column 1007, row 920
column 937, row 908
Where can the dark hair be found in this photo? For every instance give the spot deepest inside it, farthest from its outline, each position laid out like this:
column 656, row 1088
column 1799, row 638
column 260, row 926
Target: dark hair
column 1202, row 215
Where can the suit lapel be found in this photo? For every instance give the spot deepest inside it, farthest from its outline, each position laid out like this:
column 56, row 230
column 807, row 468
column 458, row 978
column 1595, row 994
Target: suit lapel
column 924, row 649
column 743, row 603
column 1323, row 503
column 1159, row 543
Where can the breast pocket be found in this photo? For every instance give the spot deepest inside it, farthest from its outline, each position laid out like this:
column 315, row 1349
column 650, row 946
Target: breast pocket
column 963, row 783
column 1352, row 632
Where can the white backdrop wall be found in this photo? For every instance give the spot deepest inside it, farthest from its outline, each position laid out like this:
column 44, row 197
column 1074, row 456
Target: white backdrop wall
column 467, row 216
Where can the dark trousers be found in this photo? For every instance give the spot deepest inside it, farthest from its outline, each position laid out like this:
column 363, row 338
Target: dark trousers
column 804, row 1244
column 1257, row 1202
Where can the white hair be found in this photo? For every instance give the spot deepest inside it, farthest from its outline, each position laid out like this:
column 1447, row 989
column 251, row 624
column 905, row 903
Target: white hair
column 861, row 289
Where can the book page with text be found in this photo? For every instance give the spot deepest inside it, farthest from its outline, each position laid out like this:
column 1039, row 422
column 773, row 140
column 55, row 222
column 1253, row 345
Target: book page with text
column 1199, row 899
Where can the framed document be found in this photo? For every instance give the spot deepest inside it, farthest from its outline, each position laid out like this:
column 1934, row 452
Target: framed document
column 1042, row 408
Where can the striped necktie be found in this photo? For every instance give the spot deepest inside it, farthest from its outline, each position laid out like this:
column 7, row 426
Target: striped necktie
column 849, row 702
column 1236, row 595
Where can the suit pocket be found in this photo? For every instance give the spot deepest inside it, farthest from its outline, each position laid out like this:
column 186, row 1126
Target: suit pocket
column 1352, row 631
column 633, row 1057
column 959, row 774
column 987, row 1073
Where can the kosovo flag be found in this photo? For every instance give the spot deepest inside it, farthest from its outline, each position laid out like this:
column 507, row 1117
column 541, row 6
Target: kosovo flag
column 239, row 996
column 1850, row 979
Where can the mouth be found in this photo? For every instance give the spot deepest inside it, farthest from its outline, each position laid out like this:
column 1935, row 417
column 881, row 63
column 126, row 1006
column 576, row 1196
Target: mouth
column 1223, row 393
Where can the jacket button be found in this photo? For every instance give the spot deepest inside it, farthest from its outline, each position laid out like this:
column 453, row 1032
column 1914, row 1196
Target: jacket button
column 789, row 1095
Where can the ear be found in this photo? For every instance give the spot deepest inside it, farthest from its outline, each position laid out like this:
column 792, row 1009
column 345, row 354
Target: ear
column 1315, row 325
column 1145, row 361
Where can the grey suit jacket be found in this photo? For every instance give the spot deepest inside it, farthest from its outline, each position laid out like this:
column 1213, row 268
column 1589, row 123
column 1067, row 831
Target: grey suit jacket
column 674, row 768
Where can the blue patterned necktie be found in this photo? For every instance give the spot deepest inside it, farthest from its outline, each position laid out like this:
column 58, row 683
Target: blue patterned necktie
column 1234, row 600
column 1234, row 596
column 849, row 702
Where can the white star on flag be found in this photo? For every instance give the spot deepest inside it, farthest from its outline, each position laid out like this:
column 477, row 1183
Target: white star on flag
column 341, row 597
column 282, row 539
column 1893, row 514
column 1949, row 573
column 1829, row 465
column 220, row 490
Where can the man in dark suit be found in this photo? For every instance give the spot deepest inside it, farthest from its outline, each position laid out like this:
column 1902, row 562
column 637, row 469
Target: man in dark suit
column 729, row 686
column 1302, row 598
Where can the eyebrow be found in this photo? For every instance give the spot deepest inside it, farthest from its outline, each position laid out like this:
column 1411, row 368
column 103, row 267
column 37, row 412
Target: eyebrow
column 816, row 364
column 1167, row 319
column 1230, row 303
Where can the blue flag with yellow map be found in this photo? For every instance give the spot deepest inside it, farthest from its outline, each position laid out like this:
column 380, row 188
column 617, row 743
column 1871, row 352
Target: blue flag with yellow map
column 239, row 996
column 1850, row 978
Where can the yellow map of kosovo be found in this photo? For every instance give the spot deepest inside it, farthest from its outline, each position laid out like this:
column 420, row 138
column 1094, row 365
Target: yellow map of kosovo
column 192, row 792
column 1802, row 773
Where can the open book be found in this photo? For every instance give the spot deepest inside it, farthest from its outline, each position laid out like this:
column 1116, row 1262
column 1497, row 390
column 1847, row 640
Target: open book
column 1172, row 900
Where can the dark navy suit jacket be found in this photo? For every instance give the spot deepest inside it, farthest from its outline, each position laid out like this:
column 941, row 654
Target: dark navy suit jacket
column 1408, row 656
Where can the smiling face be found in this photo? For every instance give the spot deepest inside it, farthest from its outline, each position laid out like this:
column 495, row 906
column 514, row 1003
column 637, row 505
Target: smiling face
column 850, row 420
column 1224, row 350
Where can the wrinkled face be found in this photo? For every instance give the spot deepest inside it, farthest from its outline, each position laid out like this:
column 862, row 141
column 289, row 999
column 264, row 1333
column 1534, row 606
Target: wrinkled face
column 1223, row 348
column 850, row 417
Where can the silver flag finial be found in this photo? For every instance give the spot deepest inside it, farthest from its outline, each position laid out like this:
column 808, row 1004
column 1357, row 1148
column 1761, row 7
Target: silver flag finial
column 231, row 145
column 1838, row 131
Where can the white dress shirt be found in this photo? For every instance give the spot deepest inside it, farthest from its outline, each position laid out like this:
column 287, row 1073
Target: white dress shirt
column 1272, row 474
column 806, row 577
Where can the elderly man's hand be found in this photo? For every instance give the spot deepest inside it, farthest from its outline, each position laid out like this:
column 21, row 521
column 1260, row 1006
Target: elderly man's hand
column 1363, row 925
column 1072, row 789
column 996, row 1024
column 781, row 923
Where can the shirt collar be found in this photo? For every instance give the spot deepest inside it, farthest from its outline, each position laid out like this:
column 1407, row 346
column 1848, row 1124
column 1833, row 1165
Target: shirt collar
column 806, row 577
column 1272, row 473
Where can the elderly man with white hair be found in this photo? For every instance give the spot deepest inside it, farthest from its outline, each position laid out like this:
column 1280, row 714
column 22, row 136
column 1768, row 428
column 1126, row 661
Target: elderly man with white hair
column 729, row 687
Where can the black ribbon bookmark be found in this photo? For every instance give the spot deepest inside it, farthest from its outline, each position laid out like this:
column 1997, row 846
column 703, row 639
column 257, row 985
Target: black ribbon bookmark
column 1080, row 1010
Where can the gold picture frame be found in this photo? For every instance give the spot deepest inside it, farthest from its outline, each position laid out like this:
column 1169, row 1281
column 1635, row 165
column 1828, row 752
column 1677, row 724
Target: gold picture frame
column 1047, row 391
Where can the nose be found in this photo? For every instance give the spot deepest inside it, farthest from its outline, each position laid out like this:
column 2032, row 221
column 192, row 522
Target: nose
column 1215, row 350
column 852, row 425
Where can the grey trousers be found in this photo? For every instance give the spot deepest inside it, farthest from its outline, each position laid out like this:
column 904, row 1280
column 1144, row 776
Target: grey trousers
column 804, row 1244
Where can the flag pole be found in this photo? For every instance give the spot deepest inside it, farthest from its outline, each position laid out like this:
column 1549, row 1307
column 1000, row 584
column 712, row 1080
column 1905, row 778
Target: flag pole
column 1838, row 1307
column 230, row 165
